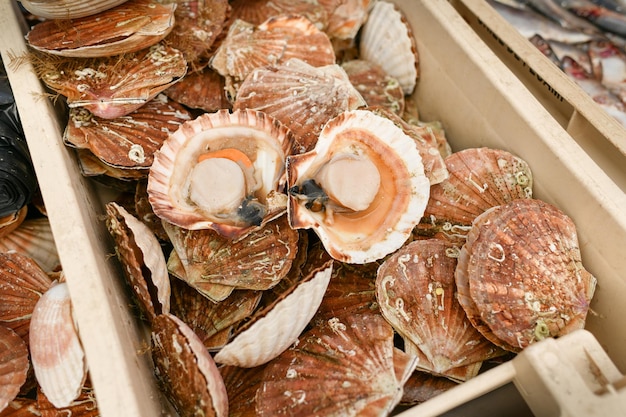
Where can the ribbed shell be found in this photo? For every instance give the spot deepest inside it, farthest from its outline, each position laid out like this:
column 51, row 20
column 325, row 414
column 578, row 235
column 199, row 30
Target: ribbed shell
column 33, row 238
column 345, row 17
column 387, row 40
column 56, row 352
column 422, row 386
column 201, row 90
column 128, row 141
column 242, row 385
column 385, row 225
column 416, row 291
column 129, row 27
column 92, row 166
column 13, row 365
column 258, row 11
column 68, row 9
column 340, row 367
column 84, row 406
column 376, row 87
column 301, row 96
column 520, row 275
column 185, row 369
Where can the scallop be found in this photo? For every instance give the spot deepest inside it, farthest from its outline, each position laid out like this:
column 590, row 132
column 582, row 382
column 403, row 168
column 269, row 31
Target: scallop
column 242, row 385
column 203, row 89
column 84, row 406
column 376, row 87
column 68, row 9
column 416, row 291
column 258, row 11
column 345, row 17
column 56, row 351
column 362, row 189
column 130, row 27
column 14, row 365
column 185, row 370
column 33, row 238
column 221, row 171
column 520, row 275
column 387, row 40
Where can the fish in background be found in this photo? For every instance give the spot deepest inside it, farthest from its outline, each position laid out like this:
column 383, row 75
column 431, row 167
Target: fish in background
column 602, row 17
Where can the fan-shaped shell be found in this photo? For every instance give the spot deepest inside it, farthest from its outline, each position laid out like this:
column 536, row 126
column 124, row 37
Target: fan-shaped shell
column 247, row 146
column 13, row 365
column 34, row 239
column 242, row 385
column 345, row 366
column 375, row 86
column 185, row 369
column 416, row 291
column 272, row 330
column 392, row 188
column 68, row 9
column 259, row 11
column 387, row 40
column 203, row 89
column 56, row 352
column 141, row 256
column 520, row 275
column 301, row 96
column 345, row 17
column 111, row 87
column 129, row 27
column 128, row 141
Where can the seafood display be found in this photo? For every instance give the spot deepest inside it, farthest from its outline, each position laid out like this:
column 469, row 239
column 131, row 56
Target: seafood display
column 585, row 39
column 294, row 237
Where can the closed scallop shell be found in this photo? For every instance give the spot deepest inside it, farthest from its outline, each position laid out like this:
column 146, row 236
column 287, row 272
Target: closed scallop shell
column 22, row 283
column 68, row 9
column 14, row 365
column 132, row 26
column 375, row 86
column 56, row 351
column 92, row 166
column 203, row 89
column 345, row 17
column 251, row 144
column 129, row 141
column 272, row 330
column 301, row 96
column 258, row 11
column 416, row 291
column 34, row 239
column 422, row 386
column 345, row 367
column 479, row 178
column 520, row 275
column 185, row 370
column 387, row 40
column 392, row 189
column 112, row 87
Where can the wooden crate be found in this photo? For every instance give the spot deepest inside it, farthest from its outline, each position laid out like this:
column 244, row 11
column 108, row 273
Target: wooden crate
column 463, row 84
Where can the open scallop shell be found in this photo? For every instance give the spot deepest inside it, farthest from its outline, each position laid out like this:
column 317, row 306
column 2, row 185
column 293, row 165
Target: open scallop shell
column 56, row 352
column 245, row 151
column 387, row 40
column 301, row 96
column 271, row 330
column 141, row 256
column 346, row 366
column 128, row 141
column 520, row 275
column 34, row 239
column 68, row 9
column 129, row 27
column 111, row 87
column 185, row 370
column 13, row 365
column 22, row 283
column 392, row 190
column 416, row 291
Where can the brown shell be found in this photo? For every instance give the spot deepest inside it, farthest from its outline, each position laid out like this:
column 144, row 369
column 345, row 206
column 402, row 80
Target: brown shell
column 211, row 321
column 111, row 87
column 479, row 178
column 84, row 406
column 345, row 366
column 12, row 221
column 13, row 365
column 22, row 282
column 258, row 11
column 416, row 291
column 92, row 166
column 185, row 370
column 520, row 275
column 33, row 238
column 345, row 17
column 203, row 89
column 142, row 259
column 143, row 211
column 68, row 9
column 21, row 407
column 422, row 386
column 242, row 385
column 128, row 141
column 375, row 86
column 129, row 27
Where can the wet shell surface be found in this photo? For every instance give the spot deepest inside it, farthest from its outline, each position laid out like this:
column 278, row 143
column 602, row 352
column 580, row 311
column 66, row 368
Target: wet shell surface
column 520, row 275
column 376, row 87
column 128, row 141
column 303, row 97
column 33, row 238
column 56, row 352
column 68, row 9
column 339, row 367
column 358, row 150
column 266, row 337
column 111, row 87
column 185, row 369
column 22, row 283
column 13, row 365
column 129, row 27
column 387, row 40
column 141, row 256
column 221, row 171
column 416, row 291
